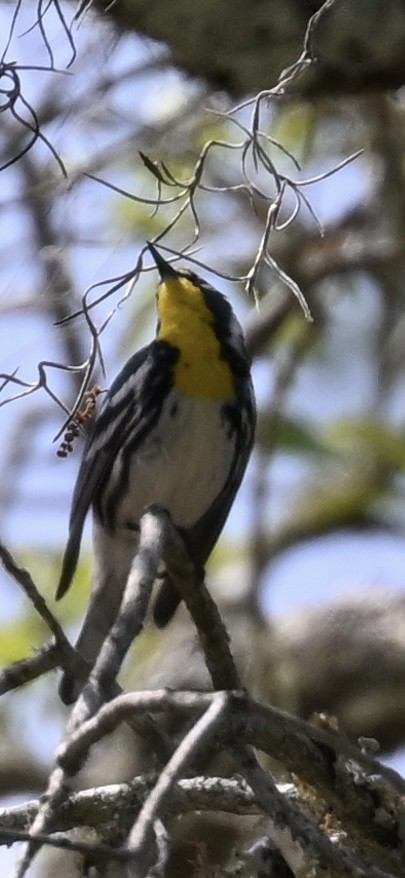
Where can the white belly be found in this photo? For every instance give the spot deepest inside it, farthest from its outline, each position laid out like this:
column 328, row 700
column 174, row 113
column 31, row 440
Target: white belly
column 183, row 465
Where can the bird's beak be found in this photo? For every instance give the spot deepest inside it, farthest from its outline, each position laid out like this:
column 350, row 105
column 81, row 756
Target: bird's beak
column 165, row 269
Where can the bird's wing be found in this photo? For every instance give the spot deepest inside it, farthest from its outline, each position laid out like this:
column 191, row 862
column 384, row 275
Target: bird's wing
column 202, row 537
column 144, row 379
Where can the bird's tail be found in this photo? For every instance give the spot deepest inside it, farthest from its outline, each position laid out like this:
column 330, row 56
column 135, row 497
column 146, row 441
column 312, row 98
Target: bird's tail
column 166, row 603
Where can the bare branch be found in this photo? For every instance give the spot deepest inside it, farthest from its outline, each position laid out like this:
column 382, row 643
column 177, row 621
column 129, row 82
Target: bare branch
column 98, row 807
column 24, row 671
column 25, row 581
column 141, row 836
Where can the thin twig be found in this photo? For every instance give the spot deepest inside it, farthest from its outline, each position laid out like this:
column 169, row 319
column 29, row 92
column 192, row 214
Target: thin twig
column 200, row 735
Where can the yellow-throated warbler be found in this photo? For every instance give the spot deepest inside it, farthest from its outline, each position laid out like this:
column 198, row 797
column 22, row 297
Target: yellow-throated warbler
column 176, row 428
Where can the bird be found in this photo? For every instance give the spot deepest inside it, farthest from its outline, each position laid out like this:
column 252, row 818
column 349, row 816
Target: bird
column 176, row 428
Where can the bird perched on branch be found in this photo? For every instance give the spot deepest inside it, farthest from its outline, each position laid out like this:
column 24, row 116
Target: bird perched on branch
column 176, row 429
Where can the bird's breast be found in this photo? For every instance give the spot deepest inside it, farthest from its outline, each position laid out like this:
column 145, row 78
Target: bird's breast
column 184, row 462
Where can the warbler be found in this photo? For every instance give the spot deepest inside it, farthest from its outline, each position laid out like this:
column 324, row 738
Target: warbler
column 176, row 428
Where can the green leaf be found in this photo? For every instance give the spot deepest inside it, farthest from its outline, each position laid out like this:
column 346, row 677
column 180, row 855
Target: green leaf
column 368, row 438
column 292, row 435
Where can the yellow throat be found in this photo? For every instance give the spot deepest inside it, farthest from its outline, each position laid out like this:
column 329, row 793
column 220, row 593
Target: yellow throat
column 187, row 323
